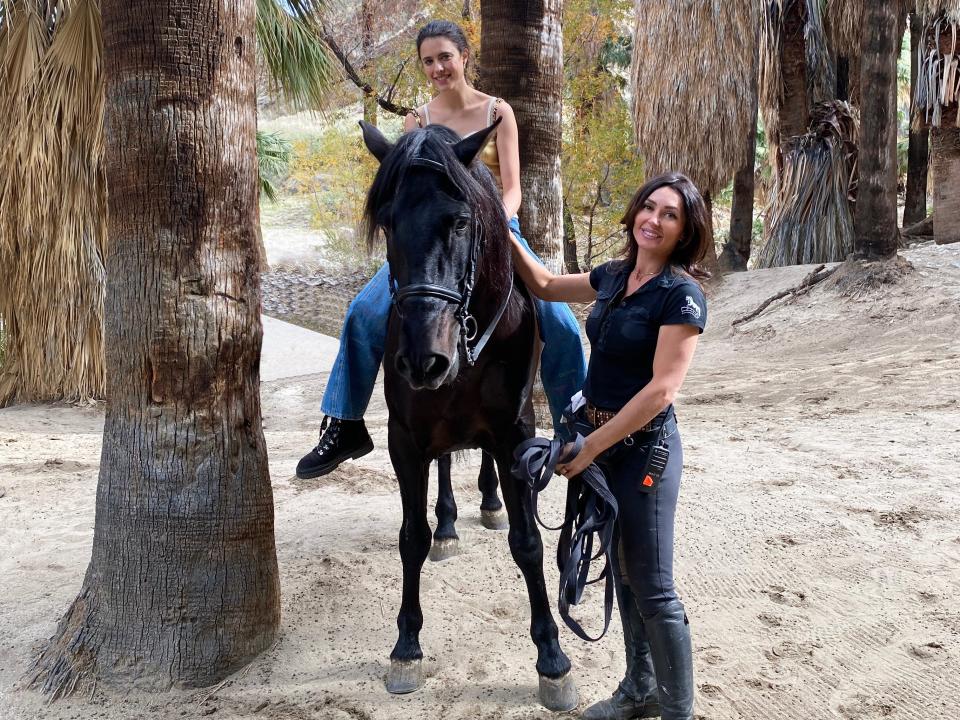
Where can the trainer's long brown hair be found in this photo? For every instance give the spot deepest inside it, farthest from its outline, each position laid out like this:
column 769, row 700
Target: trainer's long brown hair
column 693, row 244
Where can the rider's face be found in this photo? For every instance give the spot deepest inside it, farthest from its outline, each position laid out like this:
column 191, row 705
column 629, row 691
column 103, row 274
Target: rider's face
column 442, row 62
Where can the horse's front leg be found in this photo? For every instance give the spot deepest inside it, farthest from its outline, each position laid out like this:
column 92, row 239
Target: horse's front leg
column 558, row 691
column 492, row 514
column 406, row 672
column 446, row 542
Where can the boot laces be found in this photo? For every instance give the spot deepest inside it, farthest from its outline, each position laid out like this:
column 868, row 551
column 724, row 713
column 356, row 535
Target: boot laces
column 329, row 432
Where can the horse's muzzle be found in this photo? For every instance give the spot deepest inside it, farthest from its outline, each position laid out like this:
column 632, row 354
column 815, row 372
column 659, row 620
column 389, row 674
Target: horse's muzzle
column 423, row 370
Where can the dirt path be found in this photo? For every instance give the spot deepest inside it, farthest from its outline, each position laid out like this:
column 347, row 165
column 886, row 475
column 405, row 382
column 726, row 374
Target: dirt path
column 818, row 547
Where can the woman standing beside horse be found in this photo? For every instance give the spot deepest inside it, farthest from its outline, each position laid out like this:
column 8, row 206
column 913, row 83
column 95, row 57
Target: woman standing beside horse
column 444, row 57
column 643, row 331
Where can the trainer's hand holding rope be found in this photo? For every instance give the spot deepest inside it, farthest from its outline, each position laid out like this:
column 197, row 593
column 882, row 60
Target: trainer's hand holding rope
column 592, row 512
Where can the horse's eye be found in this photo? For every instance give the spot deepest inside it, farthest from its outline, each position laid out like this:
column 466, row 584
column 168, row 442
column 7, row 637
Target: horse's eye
column 460, row 225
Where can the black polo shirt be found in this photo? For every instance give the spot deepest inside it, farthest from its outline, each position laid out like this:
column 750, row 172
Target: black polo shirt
column 623, row 331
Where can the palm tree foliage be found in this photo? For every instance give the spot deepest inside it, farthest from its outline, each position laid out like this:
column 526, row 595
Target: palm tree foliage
column 289, row 45
column 53, row 190
column 273, row 158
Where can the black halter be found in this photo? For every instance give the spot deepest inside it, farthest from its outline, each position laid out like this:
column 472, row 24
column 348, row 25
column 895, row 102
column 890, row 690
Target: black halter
column 460, row 296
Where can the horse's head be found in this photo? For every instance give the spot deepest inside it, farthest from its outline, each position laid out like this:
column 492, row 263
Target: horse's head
column 433, row 209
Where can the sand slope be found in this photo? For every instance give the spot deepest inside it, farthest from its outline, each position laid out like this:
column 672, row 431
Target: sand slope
column 818, row 551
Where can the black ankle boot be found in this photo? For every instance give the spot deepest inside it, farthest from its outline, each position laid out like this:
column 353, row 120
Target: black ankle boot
column 669, row 634
column 339, row 440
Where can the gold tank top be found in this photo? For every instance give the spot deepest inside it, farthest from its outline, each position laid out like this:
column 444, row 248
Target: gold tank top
column 489, row 155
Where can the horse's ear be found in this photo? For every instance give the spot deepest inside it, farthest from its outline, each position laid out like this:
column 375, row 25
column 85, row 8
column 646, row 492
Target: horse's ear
column 468, row 148
column 375, row 141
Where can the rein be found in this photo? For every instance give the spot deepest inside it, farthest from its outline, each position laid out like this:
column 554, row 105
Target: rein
column 592, row 510
column 460, row 296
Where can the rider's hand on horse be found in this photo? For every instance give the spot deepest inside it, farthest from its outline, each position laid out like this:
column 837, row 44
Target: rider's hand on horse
column 577, row 464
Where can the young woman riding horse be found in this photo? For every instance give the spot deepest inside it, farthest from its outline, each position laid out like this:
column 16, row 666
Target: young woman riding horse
column 461, row 336
column 444, row 57
column 643, row 330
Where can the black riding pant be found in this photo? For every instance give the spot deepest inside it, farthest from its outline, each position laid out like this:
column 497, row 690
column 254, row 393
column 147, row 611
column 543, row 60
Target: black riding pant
column 644, row 541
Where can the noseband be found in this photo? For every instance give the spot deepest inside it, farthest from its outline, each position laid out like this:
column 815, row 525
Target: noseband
column 460, row 296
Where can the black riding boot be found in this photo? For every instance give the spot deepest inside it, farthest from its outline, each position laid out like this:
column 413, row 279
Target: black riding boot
column 669, row 634
column 339, row 440
column 636, row 696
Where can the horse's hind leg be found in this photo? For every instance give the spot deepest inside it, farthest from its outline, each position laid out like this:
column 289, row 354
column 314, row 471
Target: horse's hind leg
column 557, row 689
column 446, row 542
column 492, row 514
column 406, row 672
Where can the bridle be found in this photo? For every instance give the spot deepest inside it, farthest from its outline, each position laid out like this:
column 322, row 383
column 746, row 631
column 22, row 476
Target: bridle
column 460, row 296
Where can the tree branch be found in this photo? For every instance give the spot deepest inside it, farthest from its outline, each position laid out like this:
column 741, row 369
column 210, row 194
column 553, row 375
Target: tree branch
column 809, row 281
column 365, row 87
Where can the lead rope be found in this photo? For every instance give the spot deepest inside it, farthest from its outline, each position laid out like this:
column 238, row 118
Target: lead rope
column 591, row 509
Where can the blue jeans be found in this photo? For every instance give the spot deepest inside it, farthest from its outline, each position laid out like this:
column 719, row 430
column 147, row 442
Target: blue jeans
column 354, row 373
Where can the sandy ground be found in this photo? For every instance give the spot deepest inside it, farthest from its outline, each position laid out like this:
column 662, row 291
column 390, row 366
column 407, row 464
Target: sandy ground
column 818, row 545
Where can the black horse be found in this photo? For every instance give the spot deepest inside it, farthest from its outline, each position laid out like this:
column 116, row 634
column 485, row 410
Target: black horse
column 460, row 343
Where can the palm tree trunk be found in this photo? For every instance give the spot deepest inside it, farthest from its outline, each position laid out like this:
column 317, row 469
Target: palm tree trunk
column 523, row 63
column 915, row 208
column 736, row 253
column 182, row 587
column 875, row 221
column 795, row 112
column 945, row 157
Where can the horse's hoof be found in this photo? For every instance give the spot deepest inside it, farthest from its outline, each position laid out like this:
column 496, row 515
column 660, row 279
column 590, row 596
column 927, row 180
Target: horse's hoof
column 494, row 519
column 404, row 676
column 444, row 549
column 558, row 694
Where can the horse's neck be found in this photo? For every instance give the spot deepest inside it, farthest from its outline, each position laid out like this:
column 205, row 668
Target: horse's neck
column 495, row 279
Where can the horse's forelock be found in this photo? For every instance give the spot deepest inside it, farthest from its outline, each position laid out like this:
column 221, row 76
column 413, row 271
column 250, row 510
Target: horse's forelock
column 434, row 142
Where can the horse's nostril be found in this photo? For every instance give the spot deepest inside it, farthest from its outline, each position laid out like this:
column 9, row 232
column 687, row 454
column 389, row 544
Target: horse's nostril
column 422, row 368
column 434, row 366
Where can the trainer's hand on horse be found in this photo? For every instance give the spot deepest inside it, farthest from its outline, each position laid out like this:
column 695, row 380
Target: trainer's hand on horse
column 576, row 465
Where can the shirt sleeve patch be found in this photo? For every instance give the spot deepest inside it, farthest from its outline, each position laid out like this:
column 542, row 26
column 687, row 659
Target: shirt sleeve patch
column 685, row 305
column 691, row 308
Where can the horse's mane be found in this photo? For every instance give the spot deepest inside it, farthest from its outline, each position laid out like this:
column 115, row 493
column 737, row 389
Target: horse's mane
column 476, row 185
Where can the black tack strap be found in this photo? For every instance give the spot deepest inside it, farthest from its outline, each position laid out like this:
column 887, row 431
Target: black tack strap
column 591, row 511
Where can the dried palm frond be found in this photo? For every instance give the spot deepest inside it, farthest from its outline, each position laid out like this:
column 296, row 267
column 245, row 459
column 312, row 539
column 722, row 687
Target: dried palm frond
column 821, row 73
column 843, row 23
column 937, row 91
column 771, row 88
column 689, row 103
column 929, row 9
column 810, row 219
column 52, row 204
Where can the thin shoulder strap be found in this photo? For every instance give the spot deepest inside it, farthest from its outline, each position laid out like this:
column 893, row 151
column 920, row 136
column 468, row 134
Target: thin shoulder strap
column 492, row 110
column 426, row 115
